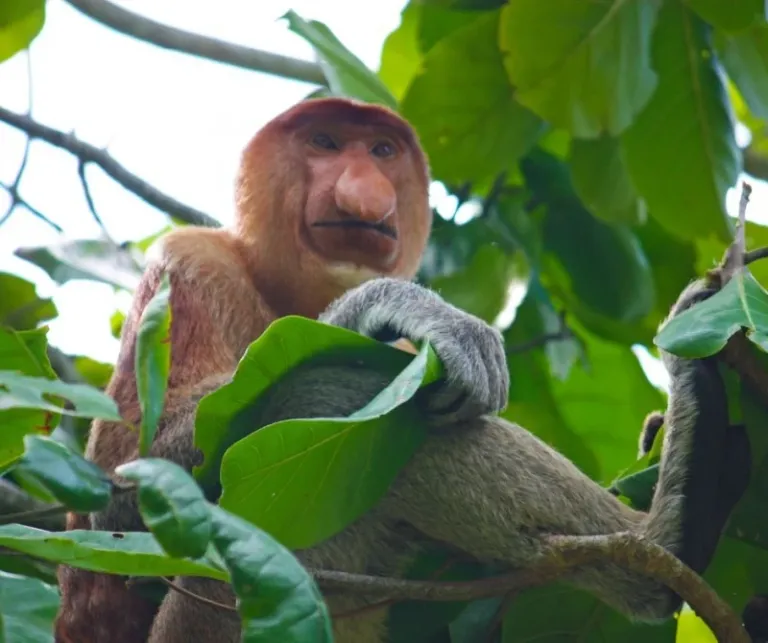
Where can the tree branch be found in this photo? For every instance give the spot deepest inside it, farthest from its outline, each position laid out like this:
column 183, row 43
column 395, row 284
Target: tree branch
column 89, row 153
column 156, row 33
column 564, row 554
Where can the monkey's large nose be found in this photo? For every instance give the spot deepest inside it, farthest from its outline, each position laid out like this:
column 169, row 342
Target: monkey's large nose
column 362, row 190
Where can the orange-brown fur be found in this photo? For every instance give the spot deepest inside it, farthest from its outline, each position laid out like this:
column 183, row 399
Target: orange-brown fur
column 228, row 285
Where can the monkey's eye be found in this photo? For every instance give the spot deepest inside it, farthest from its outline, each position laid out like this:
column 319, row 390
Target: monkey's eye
column 384, row 150
column 324, row 142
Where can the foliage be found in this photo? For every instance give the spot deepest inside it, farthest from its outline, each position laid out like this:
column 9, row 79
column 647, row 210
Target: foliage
column 592, row 146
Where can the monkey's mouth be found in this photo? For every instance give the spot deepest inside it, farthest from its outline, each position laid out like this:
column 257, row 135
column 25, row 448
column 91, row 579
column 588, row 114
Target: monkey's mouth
column 382, row 228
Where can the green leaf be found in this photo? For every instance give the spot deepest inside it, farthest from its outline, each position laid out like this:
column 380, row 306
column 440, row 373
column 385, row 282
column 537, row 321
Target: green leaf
column 91, row 259
column 346, row 74
column 400, row 53
column 681, row 150
column 464, row 108
column 593, row 266
column 601, row 180
column 75, row 482
column 225, row 416
column 639, row 486
column 557, row 612
column 172, row 505
column 704, row 329
column 27, row 392
column 153, row 362
column 482, row 288
column 745, row 57
column 97, row 374
column 589, row 70
column 23, row 352
column 277, row 599
column 476, row 5
column 304, row 480
column 125, row 553
column 20, row 307
column 733, row 15
column 28, row 608
column 20, row 22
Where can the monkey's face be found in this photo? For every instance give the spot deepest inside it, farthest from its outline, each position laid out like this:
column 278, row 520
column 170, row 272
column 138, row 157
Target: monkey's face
column 357, row 203
column 333, row 192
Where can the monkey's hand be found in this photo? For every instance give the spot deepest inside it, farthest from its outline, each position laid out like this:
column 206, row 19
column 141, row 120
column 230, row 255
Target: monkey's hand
column 472, row 352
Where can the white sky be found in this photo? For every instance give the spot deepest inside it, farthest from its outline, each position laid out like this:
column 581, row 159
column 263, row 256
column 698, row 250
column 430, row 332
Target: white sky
column 177, row 121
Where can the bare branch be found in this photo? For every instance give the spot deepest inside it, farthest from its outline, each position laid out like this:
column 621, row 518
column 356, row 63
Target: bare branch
column 15, row 501
column 156, row 33
column 565, row 553
column 90, row 202
column 89, row 153
column 197, row 597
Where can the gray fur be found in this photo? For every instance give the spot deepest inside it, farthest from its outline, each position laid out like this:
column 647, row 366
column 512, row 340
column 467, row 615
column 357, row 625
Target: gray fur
column 472, row 352
column 485, row 486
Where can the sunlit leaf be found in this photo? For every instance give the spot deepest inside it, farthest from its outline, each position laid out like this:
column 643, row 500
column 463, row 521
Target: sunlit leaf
column 464, row 108
column 172, row 506
column 127, row 553
column 681, row 150
column 745, row 57
column 153, row 362
column 583, row 66
column 732, row 15
column 346, row 74
column 20, row 22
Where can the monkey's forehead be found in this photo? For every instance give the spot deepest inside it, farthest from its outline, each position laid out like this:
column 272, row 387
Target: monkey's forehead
column 343, row 110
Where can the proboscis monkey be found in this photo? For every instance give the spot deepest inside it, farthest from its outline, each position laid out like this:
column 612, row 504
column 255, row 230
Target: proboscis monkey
column 482, row 485
column 330, row 194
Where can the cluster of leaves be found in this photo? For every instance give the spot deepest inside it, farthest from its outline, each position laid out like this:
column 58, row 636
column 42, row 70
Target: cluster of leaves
column 596, row 143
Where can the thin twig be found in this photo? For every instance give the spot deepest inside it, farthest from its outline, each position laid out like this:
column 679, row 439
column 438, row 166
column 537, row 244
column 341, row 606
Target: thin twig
column 560, row 334
column 755, row 255
column 89, row 153
column 156, row 33
column 197, row 597
column 89, row 201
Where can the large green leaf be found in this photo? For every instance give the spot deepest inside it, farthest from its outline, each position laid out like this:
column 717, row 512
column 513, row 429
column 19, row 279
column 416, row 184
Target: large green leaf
column 23, row 352
column 92, row 259
column 277, row 599
column 346, row 74
column 127, row 553
column 28, row 608
column 464, row 108
column 592, row 265
column 20, row 22
column 601, row 180
column 172, row 506
column 681, row 150
column 225, row 416
column 745, row 57
column 583, row 66
column 704, row 329
column 400, row 53
column 20, row 307
column 304, row 480
column 732, row 15
column 77, row 483
column 153, row 362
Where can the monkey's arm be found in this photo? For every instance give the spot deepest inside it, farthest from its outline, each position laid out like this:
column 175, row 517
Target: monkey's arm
column 504, row 489
column 472, row 352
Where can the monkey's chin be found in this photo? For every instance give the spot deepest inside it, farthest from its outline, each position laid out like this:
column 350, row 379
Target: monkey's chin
column 351, row 275
column 368, row 249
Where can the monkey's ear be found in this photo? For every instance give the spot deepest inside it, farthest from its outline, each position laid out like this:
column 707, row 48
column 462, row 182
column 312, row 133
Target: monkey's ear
column 653, row 422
